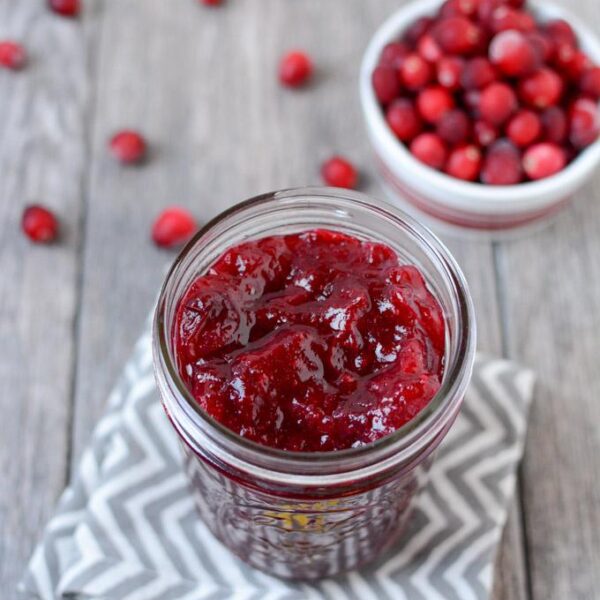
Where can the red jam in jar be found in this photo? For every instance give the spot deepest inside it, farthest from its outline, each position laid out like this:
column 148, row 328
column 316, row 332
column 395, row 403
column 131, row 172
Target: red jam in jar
column 312, row 348
column 313, row 341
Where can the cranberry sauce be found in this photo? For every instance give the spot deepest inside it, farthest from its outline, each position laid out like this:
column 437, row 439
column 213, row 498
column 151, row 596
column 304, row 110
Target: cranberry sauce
column 315, row 341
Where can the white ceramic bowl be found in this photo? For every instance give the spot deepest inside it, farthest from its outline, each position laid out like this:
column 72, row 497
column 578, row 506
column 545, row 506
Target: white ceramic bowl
column 448, row 200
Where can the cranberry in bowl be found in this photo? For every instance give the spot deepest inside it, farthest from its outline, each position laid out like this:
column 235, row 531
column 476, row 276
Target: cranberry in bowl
column 483, row 129
column 312, row 348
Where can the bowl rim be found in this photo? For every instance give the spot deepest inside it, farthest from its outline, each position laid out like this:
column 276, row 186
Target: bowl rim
column 462, row 194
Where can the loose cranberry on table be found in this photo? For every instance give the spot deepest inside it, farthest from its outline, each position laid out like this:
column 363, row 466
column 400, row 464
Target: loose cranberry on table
column 481, row 83
column 128, row 146
column 39, row 224
column 173, row 227
column 12, row 55
column 339, row 172
column 295, row 68
column 66, row 8
column 315, row 341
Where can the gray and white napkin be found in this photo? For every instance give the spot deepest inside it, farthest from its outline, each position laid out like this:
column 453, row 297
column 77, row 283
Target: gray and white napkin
column 126, row 527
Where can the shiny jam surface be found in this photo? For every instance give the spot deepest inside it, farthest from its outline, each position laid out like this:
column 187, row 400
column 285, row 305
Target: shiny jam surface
column 316, row 341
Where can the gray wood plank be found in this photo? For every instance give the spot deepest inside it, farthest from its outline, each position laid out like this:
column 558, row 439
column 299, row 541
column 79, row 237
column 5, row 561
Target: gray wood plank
column 222, row 130
column 42, row 157
column 551, row 286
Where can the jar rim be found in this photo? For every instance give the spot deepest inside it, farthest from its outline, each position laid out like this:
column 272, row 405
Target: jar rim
column 311, row 467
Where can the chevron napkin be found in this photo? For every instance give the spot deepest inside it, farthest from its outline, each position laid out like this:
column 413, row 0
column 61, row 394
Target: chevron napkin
column 126, row 527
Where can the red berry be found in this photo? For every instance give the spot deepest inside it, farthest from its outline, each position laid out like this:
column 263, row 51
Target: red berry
column 429, row 49
column 554, row 125
column 338, row 172
column 66, row 8
column 464, row 162
column 478, row 73
column 12, row 55
column 543, row 160
column 403, row 119
column 433, row 102
column 590, row 82
column 415, row 72
column 471, row 99
column 524, row 128
column 385, row 84
column 449, row 70
column 541, row 43
column 429, row 149
column 486, row 10
column 39, row 224
column 584, row 124
column 128, row 146
column 513, row 53
column 541, row 89
column 295, row 68
column 454, row 127
column 504, row 18
column 466, row 8
column 502, row 164
column 212, row 2
column 579, row 64
column 457, row 35
column 484, row 133
column 561, row 31
column 567, row 59
column 417, row 30
column 173, row 227
column 393, row 54
column 497, row 103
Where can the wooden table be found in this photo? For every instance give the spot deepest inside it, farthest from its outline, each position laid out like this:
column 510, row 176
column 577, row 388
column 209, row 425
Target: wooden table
column 200, row 83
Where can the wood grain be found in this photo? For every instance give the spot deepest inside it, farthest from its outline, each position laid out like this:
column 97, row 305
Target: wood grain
column 42, row 159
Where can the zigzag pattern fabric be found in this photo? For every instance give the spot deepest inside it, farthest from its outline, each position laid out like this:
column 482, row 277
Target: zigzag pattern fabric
column 127, row 529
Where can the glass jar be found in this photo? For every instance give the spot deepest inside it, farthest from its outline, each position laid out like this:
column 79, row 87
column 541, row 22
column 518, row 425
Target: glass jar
column 311, row 515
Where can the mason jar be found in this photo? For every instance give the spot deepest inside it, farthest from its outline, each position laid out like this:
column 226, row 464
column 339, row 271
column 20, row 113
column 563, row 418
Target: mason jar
column 308, row 515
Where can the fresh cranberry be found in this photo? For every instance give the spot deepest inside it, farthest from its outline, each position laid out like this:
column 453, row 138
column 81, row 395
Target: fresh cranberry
column 561, row 31
column 502, row 164
column 66, row 8
column 541, row 89
column 569, row 61
column 486, row 9
column 39, row 224
column 403, row 119
column 338, row 172
column 12, row 55
column 415, row 72
column 524, row 128
column 504, row 18
column 555, row 126
column 513, row 53
column 429, row 49
column 128, row 146
column 472, row 99
column 478, row 73
column 584, row 123
column 590, row 82
column 429, row 149
column 497, row 103
column 173, row 227
column 464, row 162
column 466, row 8
column 456, row 35
column 417, row 30
column 449, row 70
column 295, row 68
column 454, row 127
column 393, row 54
column 433, row 102
column 543, row 160
column 385, row 83
column 542, row 44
